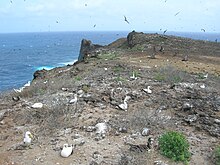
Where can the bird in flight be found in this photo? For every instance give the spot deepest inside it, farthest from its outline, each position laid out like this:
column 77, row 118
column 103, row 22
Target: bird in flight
column 164, row 31
column 94, row 25
column 57, row 22
column 11, row 1
column 203, row 30
column 177, row 13
column 126, row 20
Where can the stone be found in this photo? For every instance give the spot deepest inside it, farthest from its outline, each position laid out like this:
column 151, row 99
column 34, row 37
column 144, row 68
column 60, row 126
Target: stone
column 187, row 106
column 86, row 48
column 101, row 128
column 123, row 130
column 217, row 121
column 90, row 128
column 145, row 132
column 40, row 74
column 191, row 118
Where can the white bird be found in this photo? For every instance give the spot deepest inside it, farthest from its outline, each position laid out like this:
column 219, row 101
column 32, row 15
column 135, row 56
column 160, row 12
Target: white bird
column 66, row 151
column 74, row 101
column 148, row 90
column 37, row 105
column 27, row 138
column 124, row 106
column 133, row 76
column 206, row 75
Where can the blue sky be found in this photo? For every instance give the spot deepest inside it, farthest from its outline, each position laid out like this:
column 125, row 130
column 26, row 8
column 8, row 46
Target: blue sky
column 108, row 15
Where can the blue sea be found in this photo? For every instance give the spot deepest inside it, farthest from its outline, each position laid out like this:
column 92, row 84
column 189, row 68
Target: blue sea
column 21, row 54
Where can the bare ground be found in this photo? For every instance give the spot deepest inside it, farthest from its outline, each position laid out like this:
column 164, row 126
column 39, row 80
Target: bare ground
column 101, row 84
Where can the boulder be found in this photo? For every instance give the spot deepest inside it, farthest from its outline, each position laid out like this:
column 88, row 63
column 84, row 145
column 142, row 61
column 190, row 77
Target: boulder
column 86, row 49
column 40, row 74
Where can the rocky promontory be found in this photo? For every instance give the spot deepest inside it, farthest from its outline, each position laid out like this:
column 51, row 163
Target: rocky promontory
column 115, row 102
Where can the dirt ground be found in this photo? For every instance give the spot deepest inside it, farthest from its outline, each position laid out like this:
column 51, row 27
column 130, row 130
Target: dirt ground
column 101, row 85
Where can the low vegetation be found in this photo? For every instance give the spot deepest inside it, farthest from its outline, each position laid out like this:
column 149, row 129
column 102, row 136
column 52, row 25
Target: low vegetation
column 217, row 155
column 175, row 146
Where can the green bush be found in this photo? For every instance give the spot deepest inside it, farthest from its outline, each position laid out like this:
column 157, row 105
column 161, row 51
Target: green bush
column 175, row 146
column 217, row 155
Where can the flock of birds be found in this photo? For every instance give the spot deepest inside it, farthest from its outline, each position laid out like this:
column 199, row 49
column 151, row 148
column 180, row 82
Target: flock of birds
column 125, row 18
column 66, row 151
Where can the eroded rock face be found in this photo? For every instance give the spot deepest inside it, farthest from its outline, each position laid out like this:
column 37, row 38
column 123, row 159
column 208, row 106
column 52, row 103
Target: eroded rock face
column 39, row 74
column 86, row 48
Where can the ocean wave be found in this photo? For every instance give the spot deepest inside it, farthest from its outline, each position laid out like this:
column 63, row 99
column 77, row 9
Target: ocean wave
column 68, row 63
column 44, row 67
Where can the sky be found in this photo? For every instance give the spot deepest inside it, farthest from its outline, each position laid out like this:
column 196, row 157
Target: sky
column 108, row 15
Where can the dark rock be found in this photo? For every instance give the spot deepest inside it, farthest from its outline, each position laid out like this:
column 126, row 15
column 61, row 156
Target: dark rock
column 40, row 74
column 130, row 39
column 123, row 130
column 187, row 106
column 93, row 163
column 86, row 49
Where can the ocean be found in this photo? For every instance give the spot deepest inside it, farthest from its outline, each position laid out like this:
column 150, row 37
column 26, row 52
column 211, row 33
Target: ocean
column 21, row 54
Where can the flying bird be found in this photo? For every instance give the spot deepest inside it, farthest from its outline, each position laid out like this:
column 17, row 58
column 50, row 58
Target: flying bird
column 94, row 25
column 177, row 13
column 57, row 22
column 164, row 31
column 126, row 20
column 203, row 30
column 11, row 1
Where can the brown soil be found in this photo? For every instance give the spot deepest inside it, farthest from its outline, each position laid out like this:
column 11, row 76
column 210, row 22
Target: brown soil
column 102, row 84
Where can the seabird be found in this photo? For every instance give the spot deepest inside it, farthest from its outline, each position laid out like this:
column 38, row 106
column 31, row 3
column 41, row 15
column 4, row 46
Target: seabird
column 74, row 100
column 126, row 20
column 148, row 90
column 203, row 30
column 177, row 13
column 66, row 151
column 27, row 138
column 164, row 31
column 94, row 25
column 134, row 77
column 57, row 22
column 124, row 106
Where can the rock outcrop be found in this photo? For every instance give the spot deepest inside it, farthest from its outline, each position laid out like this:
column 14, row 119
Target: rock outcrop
column 86, row 48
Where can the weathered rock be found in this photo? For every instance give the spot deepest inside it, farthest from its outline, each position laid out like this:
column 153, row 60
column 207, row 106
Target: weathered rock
column 187, row 106
column 90, row 128
column 40, row 74
column 86, row 48
column 101, row 128
column 123, row 130
column 145, row 132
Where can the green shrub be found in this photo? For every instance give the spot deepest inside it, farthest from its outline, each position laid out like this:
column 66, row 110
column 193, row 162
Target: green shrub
column 170, row 74
column 175, row 146
column 217, row 155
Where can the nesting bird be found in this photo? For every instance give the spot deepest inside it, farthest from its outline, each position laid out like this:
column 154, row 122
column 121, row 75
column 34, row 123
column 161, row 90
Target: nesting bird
column 134, row 77
column 67, row 150
column 74, row 100
column 148, row 90
column 27, row 138
column 124, row 106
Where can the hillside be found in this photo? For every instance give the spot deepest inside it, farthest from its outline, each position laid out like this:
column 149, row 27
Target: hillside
column 182, row 74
